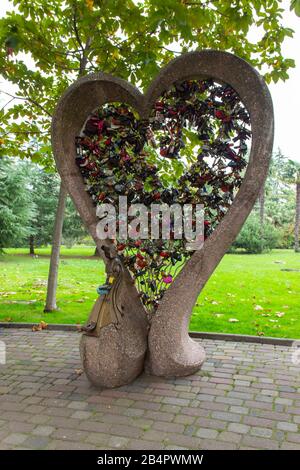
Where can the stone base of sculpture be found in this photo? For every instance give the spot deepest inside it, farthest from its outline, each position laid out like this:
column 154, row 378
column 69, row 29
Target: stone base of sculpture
column 116, row 357
column 114, row 341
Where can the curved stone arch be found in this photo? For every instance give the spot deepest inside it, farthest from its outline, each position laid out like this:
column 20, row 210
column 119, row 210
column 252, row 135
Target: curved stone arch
column 74, row 106
column 171, row 350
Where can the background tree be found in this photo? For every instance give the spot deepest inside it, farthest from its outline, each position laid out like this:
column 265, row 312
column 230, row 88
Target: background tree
column 255, row 240
column 28, row 206
column 16, row 207
column 281, row 210
column 45, row 188
column 297, row 221
column 295, row 5
column 62, row 39
column 44, row 193
column 73, row 228
column 262, row 200
column 291, row 174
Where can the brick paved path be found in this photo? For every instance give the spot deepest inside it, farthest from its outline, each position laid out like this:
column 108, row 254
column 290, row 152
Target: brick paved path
column 246, row 396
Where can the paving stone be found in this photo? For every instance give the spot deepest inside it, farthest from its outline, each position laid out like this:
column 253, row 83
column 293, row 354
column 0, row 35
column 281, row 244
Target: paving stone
column 211, row 423
column 256, row 421
column 15, row 439
column 260, row 443
column 225, row 416
column 290, row 446
column 118, row 442
column 184, row 419
column 283, row 401
column 98, row 438
column 126, row 431
column 238, row 428
column 285, row 426
column 79, row 414
column 182, row 440
column 43, row 430
column 136, row 412
column 69, row 445
column 154, row 435
column 239, row 409
column 39, row 419
column 261, row 432
column 77, row 405
column 168, row 427
column 207, row 433
column 170, row 409
column 17, row 426
column 176, row 401
column 229, row 401
column 228, row 436
column 36, row 442
column 293, row 437
column 141, row 444
column 208, row 444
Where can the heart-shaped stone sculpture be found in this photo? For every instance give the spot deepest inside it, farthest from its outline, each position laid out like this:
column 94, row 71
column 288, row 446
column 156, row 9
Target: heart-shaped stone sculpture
column 117, row 337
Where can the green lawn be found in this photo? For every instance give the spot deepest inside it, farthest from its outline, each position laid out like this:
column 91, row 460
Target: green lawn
column 252, row 289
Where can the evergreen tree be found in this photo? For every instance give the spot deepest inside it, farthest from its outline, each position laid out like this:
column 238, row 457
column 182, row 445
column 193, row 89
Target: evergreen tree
column 16, row 206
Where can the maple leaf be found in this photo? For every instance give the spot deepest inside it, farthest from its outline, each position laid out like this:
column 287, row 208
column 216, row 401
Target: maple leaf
column 258, row 307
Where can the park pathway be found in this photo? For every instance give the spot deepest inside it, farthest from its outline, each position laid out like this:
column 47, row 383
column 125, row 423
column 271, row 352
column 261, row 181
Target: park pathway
column 247, row 396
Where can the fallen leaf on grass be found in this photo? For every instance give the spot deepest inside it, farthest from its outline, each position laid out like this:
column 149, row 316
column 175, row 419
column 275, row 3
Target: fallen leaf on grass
column 36, row 328
column 258, row 307
column 280, row 314
column 217, row 314
column 39, row 283
column 41, row 326
column 6, row 294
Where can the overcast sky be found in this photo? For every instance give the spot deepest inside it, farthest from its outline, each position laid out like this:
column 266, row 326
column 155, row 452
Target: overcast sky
column 286, row 95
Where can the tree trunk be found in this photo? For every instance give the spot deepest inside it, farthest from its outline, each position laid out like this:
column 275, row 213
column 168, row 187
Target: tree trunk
column 54, row 260
column 31, row 245
column 96, row 253
column 262, row 206
column 297, row 219
column 59, row 220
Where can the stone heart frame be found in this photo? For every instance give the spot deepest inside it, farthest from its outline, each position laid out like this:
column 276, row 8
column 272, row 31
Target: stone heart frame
column 119, row 336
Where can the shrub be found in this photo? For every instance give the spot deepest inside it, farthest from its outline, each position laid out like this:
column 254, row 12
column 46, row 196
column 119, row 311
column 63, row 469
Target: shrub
column 255, row 238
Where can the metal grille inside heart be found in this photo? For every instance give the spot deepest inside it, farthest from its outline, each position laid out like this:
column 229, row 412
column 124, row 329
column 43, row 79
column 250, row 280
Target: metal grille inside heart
column 192, row 149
